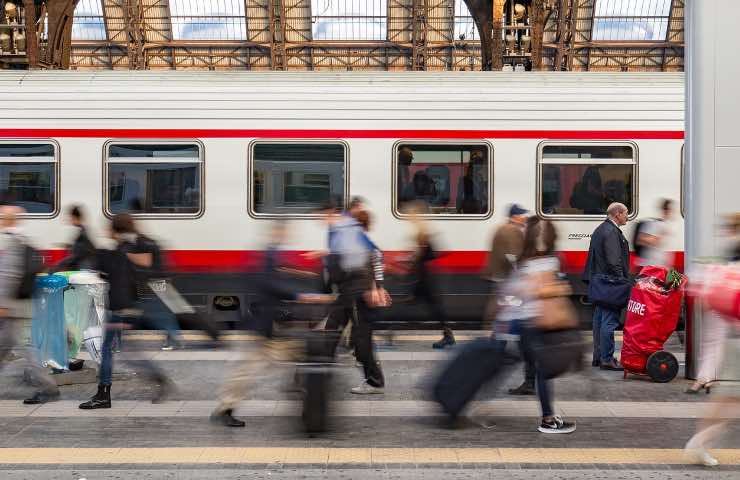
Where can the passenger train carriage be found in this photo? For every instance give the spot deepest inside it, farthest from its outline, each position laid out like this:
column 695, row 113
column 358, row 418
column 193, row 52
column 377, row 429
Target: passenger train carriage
column 208, row 159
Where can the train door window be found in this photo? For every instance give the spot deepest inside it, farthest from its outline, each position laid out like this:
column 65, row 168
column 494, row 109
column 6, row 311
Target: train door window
column 581, row 180
column 154, row 179
column 28, row 176
column 443, row 179
column 296, row 178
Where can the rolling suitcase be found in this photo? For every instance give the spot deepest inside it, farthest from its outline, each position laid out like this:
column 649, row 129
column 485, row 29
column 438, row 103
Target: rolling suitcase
column 476, row 364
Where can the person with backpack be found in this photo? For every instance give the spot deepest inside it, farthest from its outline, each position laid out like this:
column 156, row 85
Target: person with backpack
column 353, row 266
column 18, row 268
column 650, row 236
column 82, row 253
column 125, row 309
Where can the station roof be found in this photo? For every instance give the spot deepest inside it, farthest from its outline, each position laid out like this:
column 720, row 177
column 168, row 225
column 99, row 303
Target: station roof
column 338, row 34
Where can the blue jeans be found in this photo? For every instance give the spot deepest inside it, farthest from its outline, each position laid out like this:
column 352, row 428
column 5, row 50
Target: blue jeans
column 605, row 322
column 106, row 352
column 531, row 337
column 160, row 317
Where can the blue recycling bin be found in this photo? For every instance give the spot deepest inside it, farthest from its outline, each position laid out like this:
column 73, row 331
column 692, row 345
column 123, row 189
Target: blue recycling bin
column 48, row 330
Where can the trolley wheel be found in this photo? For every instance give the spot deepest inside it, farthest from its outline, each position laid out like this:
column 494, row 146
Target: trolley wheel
column 662, row 366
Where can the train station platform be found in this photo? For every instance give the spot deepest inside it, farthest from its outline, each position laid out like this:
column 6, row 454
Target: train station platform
column 630, row 428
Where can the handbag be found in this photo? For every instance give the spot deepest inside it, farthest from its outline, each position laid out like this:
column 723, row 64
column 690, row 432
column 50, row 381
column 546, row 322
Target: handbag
column 557, row 352
column 608, row 291
column 557, row 312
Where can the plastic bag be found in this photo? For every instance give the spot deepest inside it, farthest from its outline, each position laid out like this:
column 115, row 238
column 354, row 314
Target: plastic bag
column 48, row 330
column 93, row 339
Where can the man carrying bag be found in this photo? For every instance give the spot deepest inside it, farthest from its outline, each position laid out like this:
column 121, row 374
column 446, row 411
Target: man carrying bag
column 607, row 275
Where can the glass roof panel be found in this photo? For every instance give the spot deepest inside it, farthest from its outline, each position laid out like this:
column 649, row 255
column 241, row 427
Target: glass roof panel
column 208, row 20
column 349, row 19
column 631, row 20
column 465, row 28
column 88, row 23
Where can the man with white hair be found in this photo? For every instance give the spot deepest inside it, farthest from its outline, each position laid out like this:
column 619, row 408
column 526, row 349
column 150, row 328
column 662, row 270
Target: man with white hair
column 608, row 254
column 12, row 309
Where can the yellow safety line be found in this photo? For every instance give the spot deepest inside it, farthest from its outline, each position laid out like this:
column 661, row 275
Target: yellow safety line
column 378, row 456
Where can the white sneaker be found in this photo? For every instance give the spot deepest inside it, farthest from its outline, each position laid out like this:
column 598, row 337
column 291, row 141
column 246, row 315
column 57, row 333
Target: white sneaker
column 703, row 457
column 367, row 389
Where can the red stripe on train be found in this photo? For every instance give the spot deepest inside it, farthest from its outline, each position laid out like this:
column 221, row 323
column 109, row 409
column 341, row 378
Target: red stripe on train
column 230, row 261
column 342, row 133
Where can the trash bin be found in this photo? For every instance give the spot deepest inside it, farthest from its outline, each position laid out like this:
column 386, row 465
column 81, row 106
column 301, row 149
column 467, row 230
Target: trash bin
column 84, row 307
column 48, row 331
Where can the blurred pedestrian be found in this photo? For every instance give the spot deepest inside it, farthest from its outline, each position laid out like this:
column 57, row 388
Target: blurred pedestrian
column 538, row 266
column 351, row 264
column 507, row 244
column 608, row 254
column 82, row 253
column 272, row 290
column 425, row 288
column 534, row 230
column 117, row 267
column 151, row 284
column 651, row 236
column 13, row 310
column 715, row 330
column 506, row 248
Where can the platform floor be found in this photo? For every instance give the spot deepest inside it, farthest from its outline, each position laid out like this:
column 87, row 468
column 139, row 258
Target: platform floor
column 626, row 428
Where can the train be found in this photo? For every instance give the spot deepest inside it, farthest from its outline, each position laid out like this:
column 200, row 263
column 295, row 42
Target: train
column 208, row 159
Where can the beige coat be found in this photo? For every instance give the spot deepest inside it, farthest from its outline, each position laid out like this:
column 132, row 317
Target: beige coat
column 508, row 240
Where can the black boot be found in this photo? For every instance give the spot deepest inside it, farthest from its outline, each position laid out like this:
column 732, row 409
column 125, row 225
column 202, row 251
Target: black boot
column 448, row 340
column 42, row 397
column 100, row 400
column 227, row 419
column 526, row 388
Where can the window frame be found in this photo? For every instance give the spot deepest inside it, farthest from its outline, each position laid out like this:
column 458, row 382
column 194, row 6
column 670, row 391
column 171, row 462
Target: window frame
column 291, row 216
column 156, row 216
column 442, row 216
column 57, row 170
column 313, row 19
column 583, row 143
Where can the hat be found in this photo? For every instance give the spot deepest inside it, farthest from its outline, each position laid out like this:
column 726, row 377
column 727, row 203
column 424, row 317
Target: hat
column 517, row 209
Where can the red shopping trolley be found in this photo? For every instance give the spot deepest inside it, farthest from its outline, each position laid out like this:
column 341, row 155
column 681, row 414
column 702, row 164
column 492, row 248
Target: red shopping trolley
column 653, row 311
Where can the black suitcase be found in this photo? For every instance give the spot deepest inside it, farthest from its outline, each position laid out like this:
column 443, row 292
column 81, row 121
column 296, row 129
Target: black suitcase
column 476, row 364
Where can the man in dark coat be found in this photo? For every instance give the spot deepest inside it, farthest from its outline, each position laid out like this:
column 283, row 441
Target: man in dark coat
column 608, row 254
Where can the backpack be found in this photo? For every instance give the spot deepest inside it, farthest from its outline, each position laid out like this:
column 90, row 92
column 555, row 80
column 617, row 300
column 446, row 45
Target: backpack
column 640, row 249
column 32, row 265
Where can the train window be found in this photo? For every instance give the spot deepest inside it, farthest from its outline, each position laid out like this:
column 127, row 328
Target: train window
column 296, row 178
column 154, row 179
column 28, row 176
column 582, row 180
column 443, row 178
